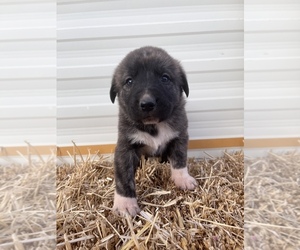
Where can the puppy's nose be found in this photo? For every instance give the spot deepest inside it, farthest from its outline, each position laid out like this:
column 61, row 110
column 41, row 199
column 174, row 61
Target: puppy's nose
column 147, row 103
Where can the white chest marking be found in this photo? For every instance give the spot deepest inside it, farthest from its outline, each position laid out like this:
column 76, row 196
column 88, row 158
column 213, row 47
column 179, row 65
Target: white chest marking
column 165, row 134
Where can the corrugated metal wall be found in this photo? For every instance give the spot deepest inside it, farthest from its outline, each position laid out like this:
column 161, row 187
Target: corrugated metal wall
column 93, row 36
column 27, row 72
column 272, row 69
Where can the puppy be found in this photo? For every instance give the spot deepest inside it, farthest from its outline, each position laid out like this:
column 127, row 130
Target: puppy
column 149, row 85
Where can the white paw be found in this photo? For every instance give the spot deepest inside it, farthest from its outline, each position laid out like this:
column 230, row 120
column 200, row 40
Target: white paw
column 124, row 205
column 182, row 179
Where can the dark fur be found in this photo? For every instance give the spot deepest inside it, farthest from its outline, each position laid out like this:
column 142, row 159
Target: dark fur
column 147, row 68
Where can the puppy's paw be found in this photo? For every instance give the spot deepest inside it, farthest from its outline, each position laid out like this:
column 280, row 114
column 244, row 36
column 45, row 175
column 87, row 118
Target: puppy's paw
column 182, row 179
column 125, row 205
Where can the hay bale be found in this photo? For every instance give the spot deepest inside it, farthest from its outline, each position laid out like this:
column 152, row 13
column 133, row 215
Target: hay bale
column 210, row 217
column 27, row 205
column 272, row 195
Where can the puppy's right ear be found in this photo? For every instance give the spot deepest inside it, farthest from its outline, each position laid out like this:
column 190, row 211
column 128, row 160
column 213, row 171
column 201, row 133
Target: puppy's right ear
column 113, row 91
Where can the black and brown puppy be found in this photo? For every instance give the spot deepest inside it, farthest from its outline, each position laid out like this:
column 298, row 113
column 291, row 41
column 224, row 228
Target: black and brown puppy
column 152, row 120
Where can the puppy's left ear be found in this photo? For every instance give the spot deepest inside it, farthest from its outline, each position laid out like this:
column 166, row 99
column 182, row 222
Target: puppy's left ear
column 113, row 91
column 184, row 83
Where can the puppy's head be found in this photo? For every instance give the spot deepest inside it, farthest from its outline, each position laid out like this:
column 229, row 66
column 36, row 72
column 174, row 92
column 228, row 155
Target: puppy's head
column 149, row 85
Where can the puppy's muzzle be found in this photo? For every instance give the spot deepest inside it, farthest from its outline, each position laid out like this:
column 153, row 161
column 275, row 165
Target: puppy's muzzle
column 147, row 103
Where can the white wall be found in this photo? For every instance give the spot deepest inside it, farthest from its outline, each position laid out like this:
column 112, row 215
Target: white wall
column 272, row 69
column 93, row 36
column 27, row 73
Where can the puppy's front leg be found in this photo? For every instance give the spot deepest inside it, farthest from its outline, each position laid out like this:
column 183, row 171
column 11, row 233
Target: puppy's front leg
column 126, row 162
column 182, row 178
column 178, row 159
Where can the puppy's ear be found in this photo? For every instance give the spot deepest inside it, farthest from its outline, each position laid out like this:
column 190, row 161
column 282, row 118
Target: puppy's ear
column 184, row 83
column 113, row 91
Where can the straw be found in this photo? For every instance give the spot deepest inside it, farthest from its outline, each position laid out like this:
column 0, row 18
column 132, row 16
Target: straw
column 27, row 203
column 272, row 195
column 210, row 217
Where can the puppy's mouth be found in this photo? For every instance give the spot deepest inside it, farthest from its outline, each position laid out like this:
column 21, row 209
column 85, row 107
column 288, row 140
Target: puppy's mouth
column 150, row 120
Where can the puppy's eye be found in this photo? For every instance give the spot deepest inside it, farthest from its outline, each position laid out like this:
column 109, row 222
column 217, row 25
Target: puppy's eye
column 128, row 81
column 165, row 78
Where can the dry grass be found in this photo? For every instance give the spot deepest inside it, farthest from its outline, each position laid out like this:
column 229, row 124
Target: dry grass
column 27, row 205
column 272, row 208
column 211, row 217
